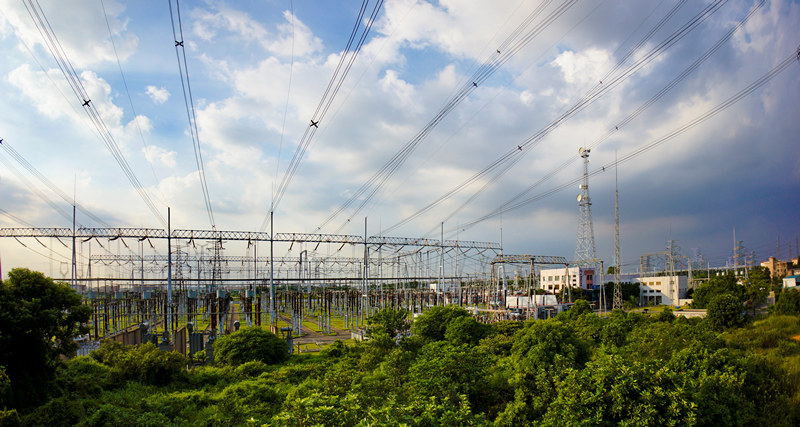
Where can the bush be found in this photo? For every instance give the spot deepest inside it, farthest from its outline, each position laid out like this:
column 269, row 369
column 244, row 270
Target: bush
column 432, row 324
column 788, row 303
column 724, row 311
column 249, row 344
column 143, row 363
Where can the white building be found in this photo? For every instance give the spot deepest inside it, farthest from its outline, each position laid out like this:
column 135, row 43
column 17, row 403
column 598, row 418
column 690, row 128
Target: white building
column 667, row 290
column 553, row 280
column 523, row 301
column 790, row 281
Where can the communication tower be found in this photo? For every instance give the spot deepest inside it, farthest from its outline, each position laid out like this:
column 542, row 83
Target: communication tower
column 585, row 249
column 617, row 256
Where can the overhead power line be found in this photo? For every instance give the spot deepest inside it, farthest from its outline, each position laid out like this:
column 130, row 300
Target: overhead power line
column 513, row 155
column 614, row 129
column 188, row 100
column 73, row 79
column 54, row 188
column 764, row 79
column 358, row 36
column 518, row 39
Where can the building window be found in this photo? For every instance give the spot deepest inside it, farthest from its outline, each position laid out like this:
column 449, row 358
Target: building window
column 549, row 278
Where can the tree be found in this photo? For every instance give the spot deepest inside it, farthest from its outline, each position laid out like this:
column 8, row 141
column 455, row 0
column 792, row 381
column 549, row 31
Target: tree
column 447, row 371
column 718, row 285
column 432, row 324
column 250, row 343
column 724, row 311
column 38, row 320
column 757, row 287
column 466, row 330
column 789, row 302
column 390, row 320
column 615, row 391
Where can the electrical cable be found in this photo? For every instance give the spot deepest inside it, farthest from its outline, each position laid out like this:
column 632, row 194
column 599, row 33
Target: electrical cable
column 507, row 49
column 782, row 66
column 505, row 162
column 188, row 100
column 334, row 85
column 57, row 51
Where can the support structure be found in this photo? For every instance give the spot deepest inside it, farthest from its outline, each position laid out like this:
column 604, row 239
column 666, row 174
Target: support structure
column 585, row 248
column 617, row 252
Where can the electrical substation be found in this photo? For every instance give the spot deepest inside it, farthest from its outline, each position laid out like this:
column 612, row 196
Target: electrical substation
column 181, row 289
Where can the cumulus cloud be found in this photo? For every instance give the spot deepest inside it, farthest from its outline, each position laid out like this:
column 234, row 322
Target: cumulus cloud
column 155, row 153
column 159, row 95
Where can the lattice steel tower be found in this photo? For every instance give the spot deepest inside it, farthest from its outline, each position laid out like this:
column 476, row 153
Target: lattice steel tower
column 617, row 251
column 585, row 249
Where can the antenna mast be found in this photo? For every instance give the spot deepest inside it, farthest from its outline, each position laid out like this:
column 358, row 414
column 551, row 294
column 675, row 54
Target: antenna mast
column 585, row 249
column 617, row 262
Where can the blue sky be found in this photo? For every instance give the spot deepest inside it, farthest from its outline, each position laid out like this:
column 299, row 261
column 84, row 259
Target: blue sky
column 258, row 69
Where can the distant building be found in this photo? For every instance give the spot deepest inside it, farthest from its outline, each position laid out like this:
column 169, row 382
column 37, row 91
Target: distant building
column 790, row 281
column 778, row 268
column 520, row 301
column 553, row 280
column 667, row 290
column 442, row 287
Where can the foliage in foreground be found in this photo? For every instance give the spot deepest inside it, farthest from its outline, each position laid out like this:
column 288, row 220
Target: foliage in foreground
column 626, row 368
column 38, row 319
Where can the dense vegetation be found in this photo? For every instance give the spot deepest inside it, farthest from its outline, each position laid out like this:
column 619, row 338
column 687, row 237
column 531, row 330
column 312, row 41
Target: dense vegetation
column 444, row 368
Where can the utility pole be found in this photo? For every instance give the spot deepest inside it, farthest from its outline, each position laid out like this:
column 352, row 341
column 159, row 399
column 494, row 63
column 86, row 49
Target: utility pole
column 441, row 263
column 74, row 257
column 272, row 320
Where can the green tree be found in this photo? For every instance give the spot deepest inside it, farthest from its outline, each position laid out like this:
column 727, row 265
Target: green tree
column 448, row 371
column 724, row 311
column 466, row 330
column 614, row 391
column 543, row 353
column 789, row 302
column 390, row 320
column 757, row 287
column 38, row 320
column 250, row 343
column 718, row 285
column 432, row 324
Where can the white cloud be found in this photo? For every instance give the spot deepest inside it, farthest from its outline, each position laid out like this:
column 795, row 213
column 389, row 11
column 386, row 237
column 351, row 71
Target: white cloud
column 155, row 153
column 159, row 95
column 586, row 67
column 295, row 39
column 82, row 20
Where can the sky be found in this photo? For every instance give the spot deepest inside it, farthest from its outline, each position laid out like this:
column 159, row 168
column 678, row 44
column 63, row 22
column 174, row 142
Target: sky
column 258, row 70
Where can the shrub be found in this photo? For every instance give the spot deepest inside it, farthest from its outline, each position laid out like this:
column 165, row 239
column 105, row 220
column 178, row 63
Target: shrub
column 248, row 344
column 724, row 311
column 143, row 363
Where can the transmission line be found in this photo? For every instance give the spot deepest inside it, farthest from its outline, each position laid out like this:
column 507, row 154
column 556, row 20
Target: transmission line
column 54, row 188
column 679, row 78
column 188, row 100
column 505, row 162
column 346, row 61
column 505, row 51
column 764, row 79
column 128, row 92
column 64, row 64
